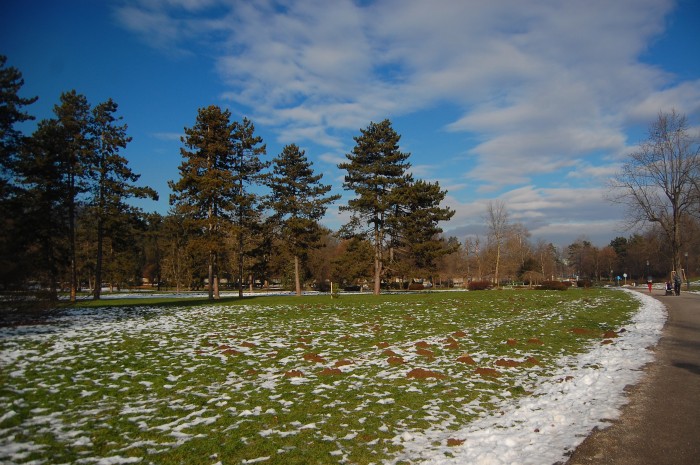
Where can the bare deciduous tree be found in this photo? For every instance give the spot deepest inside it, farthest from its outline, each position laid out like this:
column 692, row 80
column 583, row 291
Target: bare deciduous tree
column 658, row 183
column 497, row 219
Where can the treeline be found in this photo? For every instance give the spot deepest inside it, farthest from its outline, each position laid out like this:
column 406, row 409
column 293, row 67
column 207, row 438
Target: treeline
column 241, row 219
column 236, row 217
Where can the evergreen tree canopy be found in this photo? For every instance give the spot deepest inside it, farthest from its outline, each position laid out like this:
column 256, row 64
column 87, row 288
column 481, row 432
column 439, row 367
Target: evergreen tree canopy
column 113, row 179
column 206, row 193
column 415, row 224
column 376, row 168
column 248, row 173
column 11, row 113
column 299, row 201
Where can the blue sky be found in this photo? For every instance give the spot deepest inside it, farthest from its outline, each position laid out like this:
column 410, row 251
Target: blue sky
column 535, row 103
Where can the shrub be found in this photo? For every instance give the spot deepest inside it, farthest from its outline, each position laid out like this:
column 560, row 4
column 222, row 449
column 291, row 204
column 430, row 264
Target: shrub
column 553, row 286
column 479, row 285
column 416, row 287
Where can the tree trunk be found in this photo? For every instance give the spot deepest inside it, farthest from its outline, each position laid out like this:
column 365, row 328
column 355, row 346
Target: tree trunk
column 210, row 275
column 377, row 260
column 240, row 259
column 216, row 286
column 297, row 281
column 98, row 262
column 73, row 264
column 498, row 260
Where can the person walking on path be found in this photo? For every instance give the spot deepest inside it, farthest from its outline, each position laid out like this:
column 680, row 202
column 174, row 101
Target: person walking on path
column 677, row 282
column 661, row 423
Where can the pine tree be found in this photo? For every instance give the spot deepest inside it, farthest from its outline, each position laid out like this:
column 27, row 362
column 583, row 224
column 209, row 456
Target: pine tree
column 415, row 225
column 45, row 224
column 11, row 113
column 55, row 170
column 248, row 173
column 375, row 169
column 207, row 192
column 114, row 180
column 11, row 142
column 299, row 201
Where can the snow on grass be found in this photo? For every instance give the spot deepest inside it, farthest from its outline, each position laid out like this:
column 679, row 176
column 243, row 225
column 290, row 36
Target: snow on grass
column 587, row 391
column 363, row 380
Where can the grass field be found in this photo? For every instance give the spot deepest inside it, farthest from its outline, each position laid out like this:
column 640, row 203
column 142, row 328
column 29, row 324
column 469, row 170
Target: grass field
column 281, row 379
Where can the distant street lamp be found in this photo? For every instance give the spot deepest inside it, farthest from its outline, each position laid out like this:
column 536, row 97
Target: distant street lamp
column 685, row 273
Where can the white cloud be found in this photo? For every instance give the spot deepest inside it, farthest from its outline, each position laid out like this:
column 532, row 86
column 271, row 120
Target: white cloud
column 555, row 214
column 545, row 87
column 684, row 98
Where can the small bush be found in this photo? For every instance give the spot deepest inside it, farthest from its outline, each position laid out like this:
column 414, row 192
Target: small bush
column 585, row 283
column 416, row 287
column 553, row 286
column 479, row 285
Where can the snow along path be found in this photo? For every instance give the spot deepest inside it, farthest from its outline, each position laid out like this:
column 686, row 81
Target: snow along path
column 544, row 428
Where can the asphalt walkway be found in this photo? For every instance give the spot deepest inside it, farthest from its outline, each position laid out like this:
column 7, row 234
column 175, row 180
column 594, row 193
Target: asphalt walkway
column 661, row 423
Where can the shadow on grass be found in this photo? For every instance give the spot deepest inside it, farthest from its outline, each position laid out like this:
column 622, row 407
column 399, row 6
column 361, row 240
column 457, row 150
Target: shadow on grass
column 26, row 312
column 162, row 302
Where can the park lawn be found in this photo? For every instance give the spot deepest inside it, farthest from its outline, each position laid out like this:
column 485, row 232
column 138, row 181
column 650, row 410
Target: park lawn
column 282, row 379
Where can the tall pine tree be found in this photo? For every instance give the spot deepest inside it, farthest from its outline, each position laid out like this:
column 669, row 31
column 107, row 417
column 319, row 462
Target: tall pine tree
column 45, row 225
column 207, row 193
column 248, row 173
column 113, row 179
column 376, row 168
column 12, row 271
column 299, row 201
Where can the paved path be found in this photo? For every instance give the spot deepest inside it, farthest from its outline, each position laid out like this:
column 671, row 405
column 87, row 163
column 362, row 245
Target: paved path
column 661, row 423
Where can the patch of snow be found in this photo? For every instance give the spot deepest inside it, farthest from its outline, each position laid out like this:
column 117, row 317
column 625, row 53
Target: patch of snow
column 561, row 412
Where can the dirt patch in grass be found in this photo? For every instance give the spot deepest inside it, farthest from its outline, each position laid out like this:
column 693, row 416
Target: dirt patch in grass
column 488, row 372
column 421, row 373
column 466, row 359
column 425, row 353
column 314, row 357
column 504, row 362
